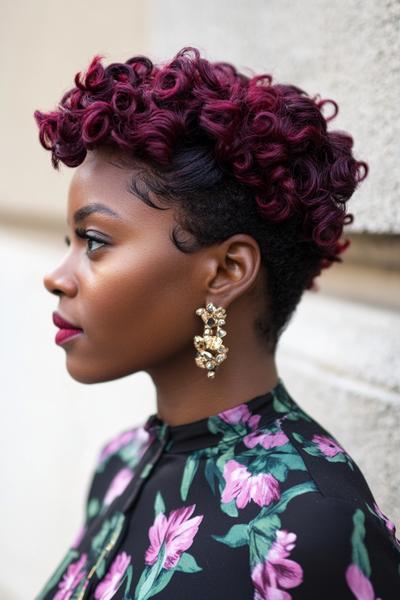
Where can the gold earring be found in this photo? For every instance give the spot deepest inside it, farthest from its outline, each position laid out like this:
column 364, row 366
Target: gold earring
column 210, row 350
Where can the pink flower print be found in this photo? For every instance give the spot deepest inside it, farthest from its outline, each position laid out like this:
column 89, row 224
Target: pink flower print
column 113, row 579
column 118, row 485
column 138, row 434
column 389, row 524
column 71, row 579
column 266, row 440
column 176, row 532
column 235, row 415
column 327, row 446
column 277, row 571
column 262, row 488
column 359, row 584
column 239, row 415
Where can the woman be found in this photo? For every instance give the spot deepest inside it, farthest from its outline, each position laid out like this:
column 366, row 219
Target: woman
column 203, row 203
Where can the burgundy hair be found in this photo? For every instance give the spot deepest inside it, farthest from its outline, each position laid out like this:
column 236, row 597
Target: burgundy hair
column 208, row 132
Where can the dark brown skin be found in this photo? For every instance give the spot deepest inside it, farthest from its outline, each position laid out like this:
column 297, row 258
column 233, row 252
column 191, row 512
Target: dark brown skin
column 135, row 299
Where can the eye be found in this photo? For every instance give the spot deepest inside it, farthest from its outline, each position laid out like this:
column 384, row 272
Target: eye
column 93, row 240
column 82, row 233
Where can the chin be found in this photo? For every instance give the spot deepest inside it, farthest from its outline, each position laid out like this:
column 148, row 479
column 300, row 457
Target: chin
column 83, row 373
column 84, row 377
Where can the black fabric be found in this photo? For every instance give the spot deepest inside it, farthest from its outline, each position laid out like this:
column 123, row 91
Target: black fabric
column 257, row 502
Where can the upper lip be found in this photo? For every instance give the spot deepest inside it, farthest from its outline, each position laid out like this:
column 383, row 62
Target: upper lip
column 59, row 321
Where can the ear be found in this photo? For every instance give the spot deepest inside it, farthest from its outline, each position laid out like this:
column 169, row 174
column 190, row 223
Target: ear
column 234, row 265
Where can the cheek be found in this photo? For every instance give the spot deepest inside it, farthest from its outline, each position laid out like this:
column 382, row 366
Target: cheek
column 146, row 303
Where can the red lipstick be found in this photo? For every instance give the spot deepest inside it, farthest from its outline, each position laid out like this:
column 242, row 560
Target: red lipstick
column 67, row 329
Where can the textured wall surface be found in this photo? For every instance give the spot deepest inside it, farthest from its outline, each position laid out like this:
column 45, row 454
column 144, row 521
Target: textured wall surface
column 341, row 362
column 42, row 46
column 348, row 51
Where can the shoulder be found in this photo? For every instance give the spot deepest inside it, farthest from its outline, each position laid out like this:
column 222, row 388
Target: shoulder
column 328, row 462
column 319, row 529
column 323, row 548
column 304, row 445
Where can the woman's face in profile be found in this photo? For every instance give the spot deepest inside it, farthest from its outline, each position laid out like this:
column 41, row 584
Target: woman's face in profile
column 129, row 288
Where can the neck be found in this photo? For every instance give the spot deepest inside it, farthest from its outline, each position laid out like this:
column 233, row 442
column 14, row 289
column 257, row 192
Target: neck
column 186, row 394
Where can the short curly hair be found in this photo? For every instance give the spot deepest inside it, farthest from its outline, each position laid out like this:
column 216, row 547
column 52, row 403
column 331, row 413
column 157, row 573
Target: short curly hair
column 234, row 153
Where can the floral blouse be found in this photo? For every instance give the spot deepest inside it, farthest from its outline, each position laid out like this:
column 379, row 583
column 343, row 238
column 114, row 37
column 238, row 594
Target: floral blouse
column 257, row 502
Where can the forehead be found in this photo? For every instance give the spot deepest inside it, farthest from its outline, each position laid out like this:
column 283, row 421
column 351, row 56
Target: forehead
column 98, row 174
column 104, row 177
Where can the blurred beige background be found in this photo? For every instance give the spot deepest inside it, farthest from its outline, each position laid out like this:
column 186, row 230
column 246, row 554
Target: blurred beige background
column 340, row 354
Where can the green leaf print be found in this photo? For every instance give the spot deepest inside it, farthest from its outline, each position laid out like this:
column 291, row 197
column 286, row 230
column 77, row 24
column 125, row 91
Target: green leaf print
column 220, row 464
column 213, row 467
column 149, row 575
column 262, row 532
column 277, row 462
column 312, row 448
column 217, row 425
column 308, row 446
column 161, row 582
column 106, row 530
column 230, row 508
column 287, row 496
column 296, row 414
column 128, row 577
column 359, row 552
column 337, row 458
column 284, row 404
column 210, row 473
column 191, row 466
column 131, row 454
column 155, row 579
column 69, row 557
column 104, row 541
column 78, row 591
column 101, row 568
column 237, row 536
column 228, row 430
column 187, row 564
column 159, row 505
column 278, row 405
column 93, row 508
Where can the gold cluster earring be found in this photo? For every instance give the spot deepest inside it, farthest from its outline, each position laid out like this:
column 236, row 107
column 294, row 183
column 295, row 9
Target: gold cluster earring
column 211, row 352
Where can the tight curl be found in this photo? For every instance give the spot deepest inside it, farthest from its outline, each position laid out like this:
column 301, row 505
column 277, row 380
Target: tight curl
column 236, row 153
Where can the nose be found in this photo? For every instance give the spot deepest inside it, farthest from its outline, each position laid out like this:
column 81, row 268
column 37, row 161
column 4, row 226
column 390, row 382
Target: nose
column 59, row 282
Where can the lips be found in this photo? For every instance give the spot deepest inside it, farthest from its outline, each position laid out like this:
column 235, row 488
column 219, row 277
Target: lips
column 62, row 323
column 67, row 329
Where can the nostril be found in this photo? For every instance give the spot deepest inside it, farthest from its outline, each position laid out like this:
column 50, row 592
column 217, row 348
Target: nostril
column 60, row 282
column 49, row 285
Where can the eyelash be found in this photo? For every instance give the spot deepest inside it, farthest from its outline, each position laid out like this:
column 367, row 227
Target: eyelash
column 82, row 233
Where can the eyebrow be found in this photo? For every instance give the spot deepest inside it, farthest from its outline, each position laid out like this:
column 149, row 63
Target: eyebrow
column 93, row 207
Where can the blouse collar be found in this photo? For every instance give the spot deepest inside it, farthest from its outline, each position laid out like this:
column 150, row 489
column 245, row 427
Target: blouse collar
column 242, row 420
